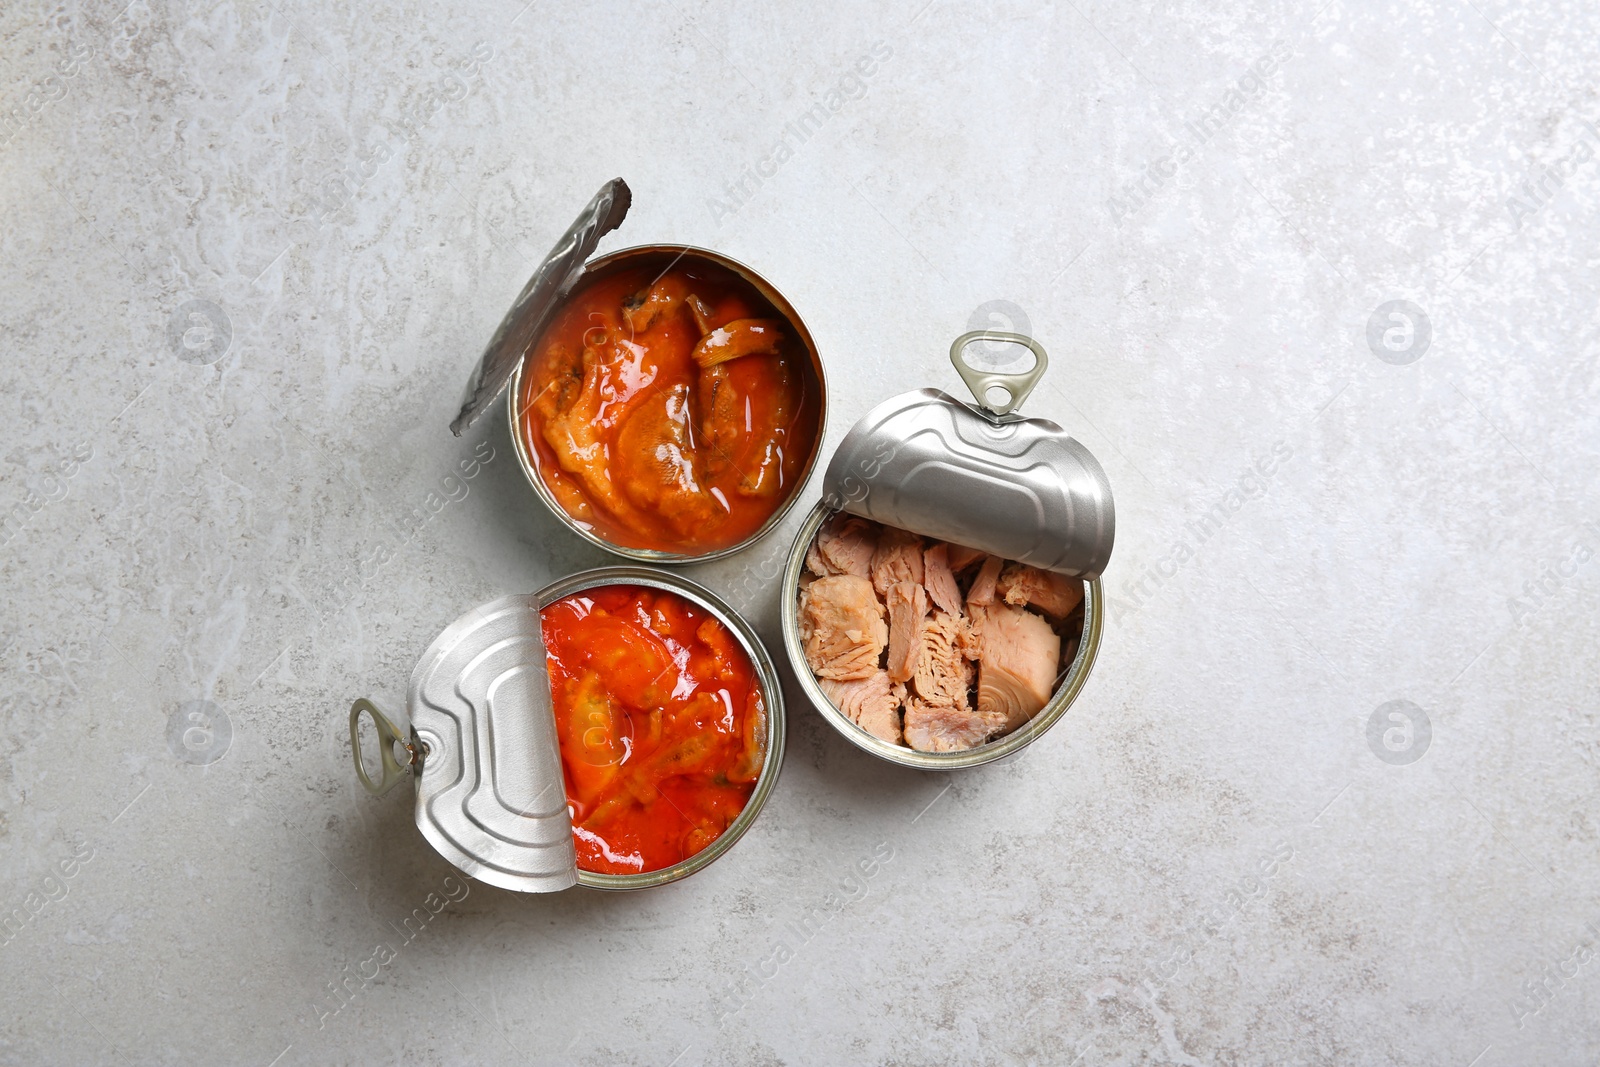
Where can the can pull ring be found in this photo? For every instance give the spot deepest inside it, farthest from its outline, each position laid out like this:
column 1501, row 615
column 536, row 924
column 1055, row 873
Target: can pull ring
column 996, row 392
column 393, row 770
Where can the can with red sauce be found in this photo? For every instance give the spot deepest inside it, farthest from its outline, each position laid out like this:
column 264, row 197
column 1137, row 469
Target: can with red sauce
column 732, row 502
column 494, row 785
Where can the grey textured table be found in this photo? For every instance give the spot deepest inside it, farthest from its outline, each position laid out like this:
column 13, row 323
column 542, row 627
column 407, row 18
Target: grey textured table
column 1320, row 290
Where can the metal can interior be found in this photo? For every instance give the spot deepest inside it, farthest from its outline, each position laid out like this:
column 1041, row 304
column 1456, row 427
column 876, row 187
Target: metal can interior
column 772, row 690
column 642, row 255
column 1066, row 692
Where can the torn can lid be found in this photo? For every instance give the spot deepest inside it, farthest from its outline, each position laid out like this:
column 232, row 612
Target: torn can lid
column 491, row 796
column 979, row 475
column 553, row 279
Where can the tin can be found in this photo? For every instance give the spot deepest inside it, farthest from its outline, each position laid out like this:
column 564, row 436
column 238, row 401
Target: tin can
column 561, row 277
column 660, row 257
column 479, row 740
column 979, row 475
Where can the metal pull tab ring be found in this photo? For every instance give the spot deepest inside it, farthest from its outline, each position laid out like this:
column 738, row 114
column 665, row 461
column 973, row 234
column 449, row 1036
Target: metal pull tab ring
column 1015, row 387
column 393, row 770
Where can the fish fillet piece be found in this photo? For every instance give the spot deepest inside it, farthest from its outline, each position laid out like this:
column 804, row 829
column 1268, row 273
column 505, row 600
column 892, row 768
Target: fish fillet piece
column 721, row 414
column 898, row 558
column 656, row 464
column 571, row 404
column 739, row 338
column 982, row 592
column 1054, row 594
column 746, row 410
column 942, row 672
column 908, row 604
column 871, row 703
column 770, row 413
column 845, row 545
column 1018, row 653
column 940, row 579
column 932, row 728
column 754, row 752
column 842, row 627
column 641, row 310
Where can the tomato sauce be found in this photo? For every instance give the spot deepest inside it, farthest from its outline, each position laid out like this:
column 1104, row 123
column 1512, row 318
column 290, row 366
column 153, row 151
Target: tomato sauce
column 670, row 410
column 662, row 725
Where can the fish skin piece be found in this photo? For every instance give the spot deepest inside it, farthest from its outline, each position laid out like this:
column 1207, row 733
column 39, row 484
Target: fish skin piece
column 718, row 424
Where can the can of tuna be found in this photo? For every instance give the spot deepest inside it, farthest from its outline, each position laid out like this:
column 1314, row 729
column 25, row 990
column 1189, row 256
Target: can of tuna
column 942, row 604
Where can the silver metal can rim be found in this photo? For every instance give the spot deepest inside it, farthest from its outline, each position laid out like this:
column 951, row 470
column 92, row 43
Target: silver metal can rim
column 772, row 689
column 1049, row 715
column 646, row 555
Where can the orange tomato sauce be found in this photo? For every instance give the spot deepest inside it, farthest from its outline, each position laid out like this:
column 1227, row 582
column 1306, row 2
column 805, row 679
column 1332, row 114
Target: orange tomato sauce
column 642, row 444
column 662, row 724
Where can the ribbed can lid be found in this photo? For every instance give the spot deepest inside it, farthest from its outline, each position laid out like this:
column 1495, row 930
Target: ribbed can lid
column 979, row 475
column 491, row 796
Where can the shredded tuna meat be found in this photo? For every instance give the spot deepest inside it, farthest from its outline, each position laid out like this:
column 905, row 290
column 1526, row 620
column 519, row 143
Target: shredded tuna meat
column 1054, row 594
column 983, row 586
column 939, row 579
column 929, row 728
column 943, row 674
column 871, row 703
column 907, row 603
column 842, row 627
column 930, row 644
column 815, row 564
column 845, row 545
column 897, row 559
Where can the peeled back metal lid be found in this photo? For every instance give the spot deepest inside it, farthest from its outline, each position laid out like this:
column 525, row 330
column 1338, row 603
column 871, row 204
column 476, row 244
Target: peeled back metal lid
column 491, row 796
column 551, row 280
column 979, row 475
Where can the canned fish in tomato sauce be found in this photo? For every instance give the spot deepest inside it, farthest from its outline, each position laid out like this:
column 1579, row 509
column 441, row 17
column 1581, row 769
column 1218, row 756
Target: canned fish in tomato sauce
column 619, row 729
column 942, row 606
column 666, row 402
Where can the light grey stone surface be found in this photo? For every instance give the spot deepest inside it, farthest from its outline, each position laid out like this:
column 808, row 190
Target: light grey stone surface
column 200, row 520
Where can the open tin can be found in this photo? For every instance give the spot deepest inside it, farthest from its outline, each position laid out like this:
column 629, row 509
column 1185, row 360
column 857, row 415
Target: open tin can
column 695, row 444
column 980, row 476
column 481, row 742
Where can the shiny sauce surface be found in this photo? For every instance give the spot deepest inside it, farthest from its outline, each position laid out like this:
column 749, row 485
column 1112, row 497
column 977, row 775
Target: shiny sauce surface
column 672, row 411
column 662, row 725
